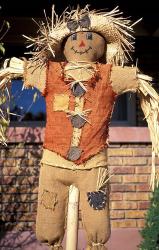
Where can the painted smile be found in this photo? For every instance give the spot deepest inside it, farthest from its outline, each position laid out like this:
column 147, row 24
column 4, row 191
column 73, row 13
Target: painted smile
column 81, row 52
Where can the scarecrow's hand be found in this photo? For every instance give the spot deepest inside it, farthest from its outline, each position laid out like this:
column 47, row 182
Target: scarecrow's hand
column 14, row 67
column 144, row 77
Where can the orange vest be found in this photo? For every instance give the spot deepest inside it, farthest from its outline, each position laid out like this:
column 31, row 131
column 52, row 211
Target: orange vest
column 99, row 98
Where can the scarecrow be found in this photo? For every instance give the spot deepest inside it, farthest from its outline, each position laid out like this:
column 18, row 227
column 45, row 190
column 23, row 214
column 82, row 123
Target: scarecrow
column 79, row 63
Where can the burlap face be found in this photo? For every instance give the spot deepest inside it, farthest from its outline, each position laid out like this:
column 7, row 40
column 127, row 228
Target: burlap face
column 84, row 46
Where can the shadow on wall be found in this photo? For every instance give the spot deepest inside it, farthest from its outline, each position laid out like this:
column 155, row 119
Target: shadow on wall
column 19, row 187
column 121, row 239
column 20, row 240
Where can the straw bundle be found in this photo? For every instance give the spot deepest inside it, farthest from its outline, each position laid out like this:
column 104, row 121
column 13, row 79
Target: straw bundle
column 104, row 175
column 4, row 113
column 149, row 99
column 14, row 70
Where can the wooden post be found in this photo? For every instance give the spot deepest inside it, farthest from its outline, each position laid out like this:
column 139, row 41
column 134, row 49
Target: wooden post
column 72, row 219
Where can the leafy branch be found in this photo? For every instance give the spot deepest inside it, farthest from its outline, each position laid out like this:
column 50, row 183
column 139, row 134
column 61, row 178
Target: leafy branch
column 3, row 31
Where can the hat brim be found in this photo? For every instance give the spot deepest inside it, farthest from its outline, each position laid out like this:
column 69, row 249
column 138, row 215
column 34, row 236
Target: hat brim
column 116, row 30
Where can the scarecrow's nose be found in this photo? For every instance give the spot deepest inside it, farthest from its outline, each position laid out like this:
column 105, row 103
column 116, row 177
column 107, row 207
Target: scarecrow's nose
column 82, row 44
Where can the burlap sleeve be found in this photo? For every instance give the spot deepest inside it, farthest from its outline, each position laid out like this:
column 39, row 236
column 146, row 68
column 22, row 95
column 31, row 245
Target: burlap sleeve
column 124, row 79
column 35, row 75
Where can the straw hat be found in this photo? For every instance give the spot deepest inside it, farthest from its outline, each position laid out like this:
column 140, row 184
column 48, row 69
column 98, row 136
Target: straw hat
column 116, row 30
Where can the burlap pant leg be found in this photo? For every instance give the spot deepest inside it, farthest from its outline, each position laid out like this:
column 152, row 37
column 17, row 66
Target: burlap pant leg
column 52, row 198
column 95, row 222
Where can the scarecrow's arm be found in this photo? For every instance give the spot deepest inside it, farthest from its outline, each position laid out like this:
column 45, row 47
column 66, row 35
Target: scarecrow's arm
column 124, row 79
column 149, row 100
column 14, row 68
column 129, row 79
column 33, row 75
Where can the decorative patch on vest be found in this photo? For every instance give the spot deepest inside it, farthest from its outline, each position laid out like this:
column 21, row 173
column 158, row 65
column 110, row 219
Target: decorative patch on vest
column 74, row 153
column 61, row 102
column 77, row 90
column 97, row 200
column 49, row 199
column 77, row 121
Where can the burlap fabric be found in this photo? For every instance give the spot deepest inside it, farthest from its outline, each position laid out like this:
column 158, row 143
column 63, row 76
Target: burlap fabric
column 97, row 248
column 54, row 159
column 52, row 206
column 123, row 79
column 34, row 75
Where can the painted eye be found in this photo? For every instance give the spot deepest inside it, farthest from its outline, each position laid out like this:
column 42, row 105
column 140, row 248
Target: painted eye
column 89, row 35
column 74, row 36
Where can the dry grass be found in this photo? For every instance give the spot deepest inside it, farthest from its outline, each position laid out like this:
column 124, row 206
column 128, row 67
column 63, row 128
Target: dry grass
column 149, row 99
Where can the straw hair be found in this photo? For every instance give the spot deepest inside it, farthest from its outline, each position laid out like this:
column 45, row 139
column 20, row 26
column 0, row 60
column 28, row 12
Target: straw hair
column 117, row 31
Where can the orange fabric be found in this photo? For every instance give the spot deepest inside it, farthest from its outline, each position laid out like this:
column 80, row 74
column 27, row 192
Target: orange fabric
column 99, row 98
